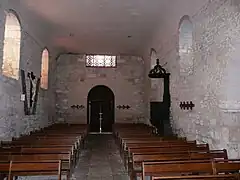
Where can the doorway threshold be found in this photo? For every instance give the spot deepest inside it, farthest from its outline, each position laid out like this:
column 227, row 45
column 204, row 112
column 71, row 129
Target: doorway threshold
column 100, row 132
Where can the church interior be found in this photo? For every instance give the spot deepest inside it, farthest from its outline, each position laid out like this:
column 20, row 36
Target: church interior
column 119, row 90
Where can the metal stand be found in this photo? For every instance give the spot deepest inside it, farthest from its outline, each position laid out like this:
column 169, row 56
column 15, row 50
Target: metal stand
column 100, row 119
column 89, row 112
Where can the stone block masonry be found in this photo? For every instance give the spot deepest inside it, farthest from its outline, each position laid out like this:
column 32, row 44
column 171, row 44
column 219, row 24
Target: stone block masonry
column 13, row 122
column 74, row 81
column 213, row 85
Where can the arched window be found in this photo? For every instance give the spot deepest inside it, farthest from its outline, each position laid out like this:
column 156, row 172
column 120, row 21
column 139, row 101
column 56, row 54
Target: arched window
column 44, row 69
column 186, row 44
column 153, row 56
column 11, row 47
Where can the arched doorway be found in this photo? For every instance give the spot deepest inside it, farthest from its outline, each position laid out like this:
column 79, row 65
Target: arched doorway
column 100, row 109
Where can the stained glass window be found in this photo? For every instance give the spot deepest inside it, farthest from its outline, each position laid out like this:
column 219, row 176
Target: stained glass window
column 44, row 69
column 100, row 61
column 11, row 47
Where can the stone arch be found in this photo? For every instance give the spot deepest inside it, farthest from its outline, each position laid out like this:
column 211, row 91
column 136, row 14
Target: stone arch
column 101, row 99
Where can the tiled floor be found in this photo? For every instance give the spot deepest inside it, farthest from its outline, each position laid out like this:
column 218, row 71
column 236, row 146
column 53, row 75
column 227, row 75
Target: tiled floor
column 100, row 160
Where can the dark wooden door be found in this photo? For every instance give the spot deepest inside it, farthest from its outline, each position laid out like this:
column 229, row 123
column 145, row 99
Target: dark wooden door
column 105, row 108
column 101, row 100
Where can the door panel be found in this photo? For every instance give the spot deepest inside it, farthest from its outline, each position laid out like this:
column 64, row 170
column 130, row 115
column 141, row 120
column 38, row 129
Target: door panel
column 94, row 117
column 107, row 116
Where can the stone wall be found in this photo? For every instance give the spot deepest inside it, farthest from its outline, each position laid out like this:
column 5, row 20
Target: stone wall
column 74, row 81
column 13, row 122
column 213, row 84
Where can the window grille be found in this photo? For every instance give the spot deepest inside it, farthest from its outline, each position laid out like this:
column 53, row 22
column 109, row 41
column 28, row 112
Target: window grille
column 100, row 61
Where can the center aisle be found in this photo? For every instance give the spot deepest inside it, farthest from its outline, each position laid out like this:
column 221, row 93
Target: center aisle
column 100, row 160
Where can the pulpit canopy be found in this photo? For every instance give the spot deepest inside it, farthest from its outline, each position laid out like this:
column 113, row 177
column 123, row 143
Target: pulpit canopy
column 158, row 71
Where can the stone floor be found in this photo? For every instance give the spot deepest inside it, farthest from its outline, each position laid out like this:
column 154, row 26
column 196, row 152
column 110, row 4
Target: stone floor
column 100, row 160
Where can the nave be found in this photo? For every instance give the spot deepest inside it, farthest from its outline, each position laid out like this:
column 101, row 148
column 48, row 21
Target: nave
column 133, row 151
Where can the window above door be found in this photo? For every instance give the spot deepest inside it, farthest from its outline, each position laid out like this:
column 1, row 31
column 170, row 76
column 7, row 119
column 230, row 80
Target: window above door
column 101, row 61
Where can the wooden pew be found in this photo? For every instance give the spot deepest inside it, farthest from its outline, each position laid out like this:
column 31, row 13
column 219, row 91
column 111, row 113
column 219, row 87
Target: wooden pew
column 127, row 143
column 51, row 150
column 37, row 168
column 201, row 177
column 163, row 144
column 176, row 169
column 13, row 169
column 137, row 159
column 65, row 157
column 162, row 148
column 53, row 144
column 216, row 154
column 158, row 144
column 4, row 169
column 138, row 143
column 43, row 149
column 119, row 130
column 158, row 150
